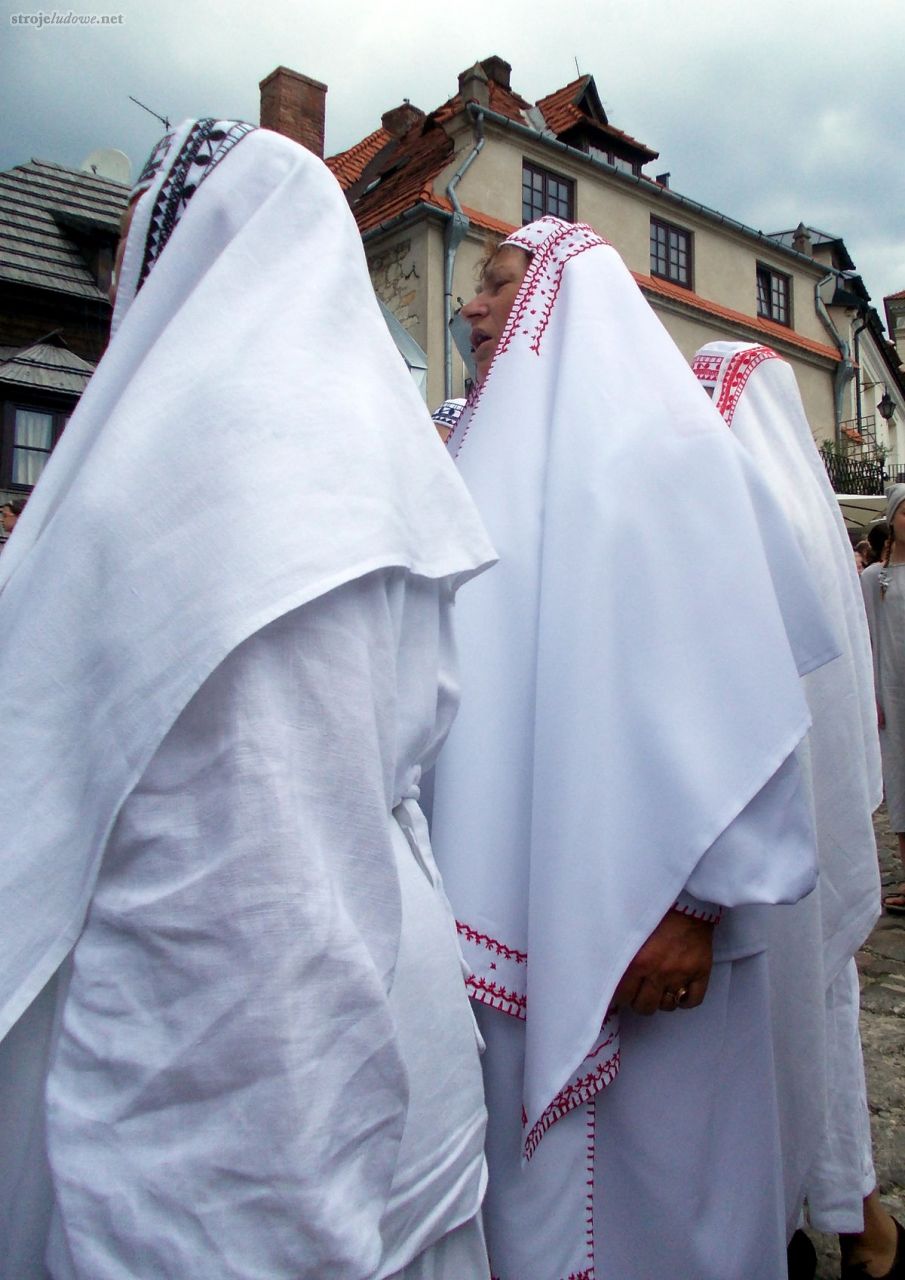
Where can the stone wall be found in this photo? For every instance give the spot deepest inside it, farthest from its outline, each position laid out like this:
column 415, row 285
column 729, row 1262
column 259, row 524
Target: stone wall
column 395, row 277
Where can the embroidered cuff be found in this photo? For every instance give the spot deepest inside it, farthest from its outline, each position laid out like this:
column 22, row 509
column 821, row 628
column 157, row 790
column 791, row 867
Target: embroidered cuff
column 688, row 905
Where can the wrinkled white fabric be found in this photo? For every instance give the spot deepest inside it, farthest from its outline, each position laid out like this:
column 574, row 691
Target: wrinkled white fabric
column 628, row 731
column 266, row 1065
column 249, row 441
column 590, row 690
column 886, row 618
column 234, row 1092
column 813, row 942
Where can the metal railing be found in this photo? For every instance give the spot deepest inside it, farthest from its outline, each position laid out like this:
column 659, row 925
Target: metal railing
column 854, row 475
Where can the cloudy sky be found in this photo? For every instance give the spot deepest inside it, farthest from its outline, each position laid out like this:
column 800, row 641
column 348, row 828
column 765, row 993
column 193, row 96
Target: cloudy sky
column 774, row 112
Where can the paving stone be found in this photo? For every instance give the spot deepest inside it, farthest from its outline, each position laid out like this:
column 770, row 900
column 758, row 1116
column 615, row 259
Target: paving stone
column 881, row 964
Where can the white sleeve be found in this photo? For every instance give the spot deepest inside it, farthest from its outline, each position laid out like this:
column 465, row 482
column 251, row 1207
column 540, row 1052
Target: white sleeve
column 768, row 854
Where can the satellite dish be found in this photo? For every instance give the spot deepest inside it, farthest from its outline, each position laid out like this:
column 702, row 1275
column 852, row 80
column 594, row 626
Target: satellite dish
column 107, row 162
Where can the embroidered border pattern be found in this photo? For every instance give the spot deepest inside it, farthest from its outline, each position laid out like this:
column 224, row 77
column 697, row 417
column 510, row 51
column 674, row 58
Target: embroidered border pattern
column 209, row 141
column 585, row 1086
column 735, row 374
column 697, row 913
column 589, row 1198
column 551, row 250
column 490, row 944
column 497, row 972
column 591, row 1130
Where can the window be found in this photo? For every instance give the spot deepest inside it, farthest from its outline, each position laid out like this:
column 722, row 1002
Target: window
column 29, row 436
column 544, row 192
column 774, row 293
column 670, row 252
column 622, row 163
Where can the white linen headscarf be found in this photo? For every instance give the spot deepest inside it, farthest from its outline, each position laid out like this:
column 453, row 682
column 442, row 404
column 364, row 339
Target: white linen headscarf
column 811, row 943
column 628, row 686
column 756, row 393
column 895, row 496
column 250, row 441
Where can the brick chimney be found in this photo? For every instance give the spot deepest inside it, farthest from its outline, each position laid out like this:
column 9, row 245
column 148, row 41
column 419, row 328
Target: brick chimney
column 294, row 105
column 474, row 85
column 498, row 70
column 400, row 119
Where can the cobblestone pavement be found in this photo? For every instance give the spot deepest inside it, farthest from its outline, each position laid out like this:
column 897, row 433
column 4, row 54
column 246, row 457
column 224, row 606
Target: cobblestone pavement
column 881, row 964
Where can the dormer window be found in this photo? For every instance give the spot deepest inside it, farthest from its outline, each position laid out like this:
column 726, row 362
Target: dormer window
column 545, row 193
column 611, row 157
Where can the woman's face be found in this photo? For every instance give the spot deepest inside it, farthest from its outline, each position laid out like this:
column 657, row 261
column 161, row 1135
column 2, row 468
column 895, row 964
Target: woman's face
column 8, row 519
column 898, row 523
column 489, row 309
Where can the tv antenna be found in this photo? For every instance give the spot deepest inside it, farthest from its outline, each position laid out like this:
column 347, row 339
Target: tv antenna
column 577, row 67
column 163, row 120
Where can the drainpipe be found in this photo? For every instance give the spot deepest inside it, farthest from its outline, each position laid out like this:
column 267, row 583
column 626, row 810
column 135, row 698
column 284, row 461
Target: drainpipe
column 845, row 371
column 856, row 342
column 456, row 231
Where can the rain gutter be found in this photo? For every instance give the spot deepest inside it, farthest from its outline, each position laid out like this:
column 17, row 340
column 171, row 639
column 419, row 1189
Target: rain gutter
column 845, row 370
column 645, row 184
column 456, row 231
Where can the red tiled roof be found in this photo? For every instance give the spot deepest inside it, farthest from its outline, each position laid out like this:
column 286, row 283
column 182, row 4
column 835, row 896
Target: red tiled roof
column 347, row 166
column 505, row 102
column 410, row 170
column 562, row 112
column 894, row 297
column 778, row 332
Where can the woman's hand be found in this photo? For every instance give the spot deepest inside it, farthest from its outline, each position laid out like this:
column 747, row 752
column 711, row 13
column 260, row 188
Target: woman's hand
column 672, row 968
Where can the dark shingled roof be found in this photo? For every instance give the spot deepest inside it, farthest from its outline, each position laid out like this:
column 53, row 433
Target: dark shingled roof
column 46, row 365
column 45, row 210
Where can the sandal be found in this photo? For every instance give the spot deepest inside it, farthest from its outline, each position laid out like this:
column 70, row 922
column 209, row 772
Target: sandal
column 894, row 903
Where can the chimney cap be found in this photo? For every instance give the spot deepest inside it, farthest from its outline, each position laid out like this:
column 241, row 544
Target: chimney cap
column 288, row 73
column 498, row 70
column 474, row 85
column 400, row 119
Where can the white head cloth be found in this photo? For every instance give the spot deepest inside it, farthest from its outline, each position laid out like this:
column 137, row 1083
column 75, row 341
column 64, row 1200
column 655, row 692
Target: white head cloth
column 756, row 393
column 895, row 496
column 250, row 441
column 627, row 682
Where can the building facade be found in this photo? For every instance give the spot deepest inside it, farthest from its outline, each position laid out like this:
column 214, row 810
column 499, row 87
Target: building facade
column 58, row 231
column 431, row 191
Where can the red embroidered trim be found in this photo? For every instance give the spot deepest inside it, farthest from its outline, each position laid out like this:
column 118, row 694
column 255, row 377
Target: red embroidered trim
column 589, row 1211
column 712, row 917
column 574, row 1095
column 738, row 369
column 491, row 944
column 546, row 267
column 491, row 993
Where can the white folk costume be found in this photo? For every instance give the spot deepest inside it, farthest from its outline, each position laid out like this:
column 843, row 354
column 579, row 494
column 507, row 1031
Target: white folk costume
column 814, row 984
column 884, row 599
column 225, row 644
column 627, row 737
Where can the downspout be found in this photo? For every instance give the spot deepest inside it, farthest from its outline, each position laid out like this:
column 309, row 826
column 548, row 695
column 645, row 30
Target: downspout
column 856, row 341
column 845, row 370
column 456, row 231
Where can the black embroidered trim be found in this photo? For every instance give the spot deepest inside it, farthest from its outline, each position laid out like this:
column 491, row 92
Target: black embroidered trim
column 208, row 142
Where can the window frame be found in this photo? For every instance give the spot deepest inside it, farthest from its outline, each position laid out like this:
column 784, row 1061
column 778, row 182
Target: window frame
column 766, row 308
column 547, row 176
column 672, row 229
column 9, row 404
